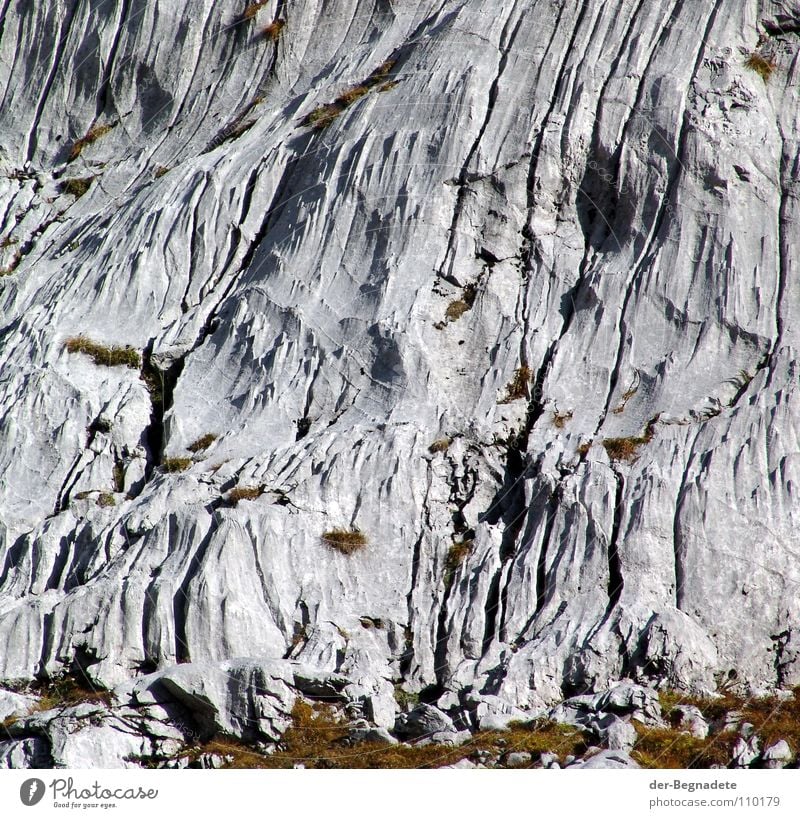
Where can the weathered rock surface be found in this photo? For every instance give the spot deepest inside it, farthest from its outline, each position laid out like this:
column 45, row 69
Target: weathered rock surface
column 559, row 240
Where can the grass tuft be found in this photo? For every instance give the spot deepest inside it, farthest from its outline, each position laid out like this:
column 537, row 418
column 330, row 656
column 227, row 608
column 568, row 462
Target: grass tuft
column 91, row 136
column 317, row 740
column 106, row 500
column 346, row 541
column 202, row 443
column 627, row 448
column 175, row 464
column 76, row 187
column 763, row 66
column 244, row 493
column 441, row 444
column 518, row 387
column 561, row 418
column 252, row 9
column 103, row 355
column 272, row 32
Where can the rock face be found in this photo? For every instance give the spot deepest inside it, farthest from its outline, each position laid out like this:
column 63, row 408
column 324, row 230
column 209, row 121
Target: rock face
column 521, row 307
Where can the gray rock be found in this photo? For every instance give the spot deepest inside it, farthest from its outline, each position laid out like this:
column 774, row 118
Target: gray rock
column 691, row 720
column 27, row 753
column 518, row 759
column 777, row 756
column 745, row 751
column 371, row 735
column 620, row 735
column 523, row 261
column 606, row 760
column 14, row 705
column 423, row 720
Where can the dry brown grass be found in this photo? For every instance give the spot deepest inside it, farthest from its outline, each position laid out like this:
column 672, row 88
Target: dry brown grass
column 351, row 95
column 240, row 493
column 66, row 691
column 455, row 309
column 202, row 443
column 92, row 135
column 763, row 66
column 518, row 387
column 273, row 31
column 561, row 418
column 106, row 500
column 252, row 9
column 77, row 187
column 627, row 448
column 12, row 265
column 441, row 444
column 324, row 115
column 387, row 86
column 344, row 540
column 583, row 449
column 316, row 740
column 456, row 555
column 103, row 355
column 159, row 171
column 175, row 464
column 669, row 749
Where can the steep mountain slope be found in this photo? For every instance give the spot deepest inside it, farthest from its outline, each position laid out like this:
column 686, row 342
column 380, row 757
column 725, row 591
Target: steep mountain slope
column 519, row 304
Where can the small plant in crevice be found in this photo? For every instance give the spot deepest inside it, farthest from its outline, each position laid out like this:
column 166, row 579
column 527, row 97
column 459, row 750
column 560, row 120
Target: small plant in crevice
column 273, row 31
column 172, row 465
column 12, row 265
column 441, row 444
column 106, row 500
column 345, row 540
column 77, row 187
column 455, row 309
column 761, row 65
column 323, row 115
column 627, row 448
column 387, row 86
column 202, row 443
column 583, row 449
column 518, row 386
column 252, row 9
column 118, row 475
column 159, row 171
column 560, row 419
column 235, row 496
column 91, row 136
column 456, row 556
column 68, row 690
column 103, row 355
column 626, row 396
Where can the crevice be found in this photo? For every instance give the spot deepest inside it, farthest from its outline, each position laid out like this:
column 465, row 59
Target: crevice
column 553, row 504
column 104, row 94
column 69, row 18
column 616, row 581
column 160, row 382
